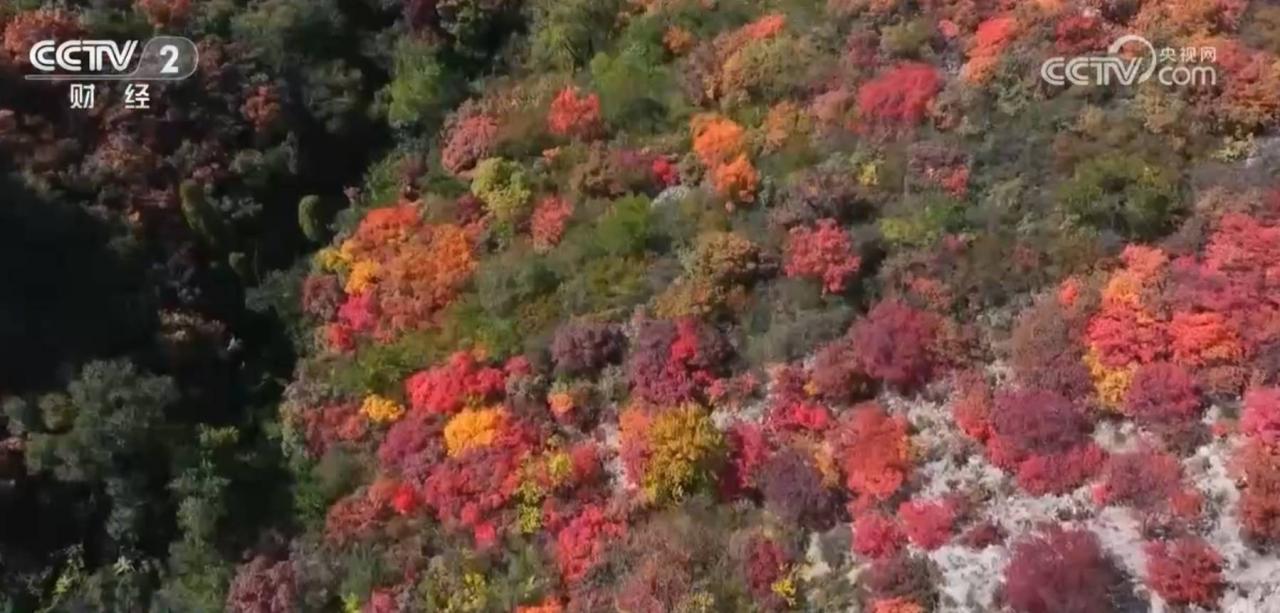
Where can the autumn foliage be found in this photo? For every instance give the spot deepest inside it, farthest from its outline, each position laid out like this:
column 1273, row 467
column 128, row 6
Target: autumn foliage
column 1043, row 439
column 720, row 145
column 824, row 252
column 1185, row 571
column 895, row 344
column 400, row 273
column 462, row 380
column 897, row 99
column 575, row 115
column 1060, row 571
column 874, row 453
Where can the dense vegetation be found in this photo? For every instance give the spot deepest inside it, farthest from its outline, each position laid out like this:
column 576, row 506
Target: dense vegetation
column 642, row 305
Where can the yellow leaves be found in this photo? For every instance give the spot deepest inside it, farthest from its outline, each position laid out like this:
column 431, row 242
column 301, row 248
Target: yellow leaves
column 785, row 588
column 380, row 409
column 473, row 428
column 684, row 445
column 716, row 139
column 869, row 174
column 1112, row 384
column 332, row 260
column 363, row 275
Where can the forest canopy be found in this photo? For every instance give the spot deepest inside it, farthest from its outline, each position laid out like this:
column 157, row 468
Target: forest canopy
column 643, row 305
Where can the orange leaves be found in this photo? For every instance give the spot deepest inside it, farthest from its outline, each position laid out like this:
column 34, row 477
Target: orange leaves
column 165, row 13
column 1125, row 334
column 473, row 428
column 1203, row 339
column 1247, row 94
column 737, row 180
column 1208, row 315
column 574, row 115
column 873, row 450
column 720, row 145
column 989, row 42
column 716, row 139
column 765, row 27
column 400, row 273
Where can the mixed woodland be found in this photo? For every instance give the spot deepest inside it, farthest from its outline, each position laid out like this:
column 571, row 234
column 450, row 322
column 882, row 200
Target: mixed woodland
column 643, row 306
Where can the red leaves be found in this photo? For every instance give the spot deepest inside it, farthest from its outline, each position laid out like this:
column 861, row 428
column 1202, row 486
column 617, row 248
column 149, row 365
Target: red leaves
column 894, row 343
column 1261, row 417
column 989, row 42
column 469, row 136
column 873, row 450
column 1080, row 33
column 574, row 115
column 877, row 535
column 1186, row 571
column 972, row 406
column 447, row 388
column 1043, row 438
column 928, row 523
column 1163, row 396
column 471, row 490
column 325, row 426
column 263, row 586
column 671, row 363
column 580, row 545
column 897, row 99
column 766, row 563
column 1151, row 483
column 1259, row 462
column 548, row 222
column 412, row 446
column 825, row 252
column 1060, row 571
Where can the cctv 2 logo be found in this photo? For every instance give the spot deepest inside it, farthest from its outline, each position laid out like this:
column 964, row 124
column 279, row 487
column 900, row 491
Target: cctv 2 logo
column 163, row 58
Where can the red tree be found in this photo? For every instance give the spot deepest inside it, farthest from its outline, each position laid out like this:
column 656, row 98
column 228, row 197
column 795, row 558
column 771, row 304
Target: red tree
column 824, row 252
column 895, row 344
column 928, row 523
column 448, row 387
column 580, row 545
column 1261, row 417
column 1060, row 571
column 873, row 449
column 1044, row 439
column 1185, row 571
column 898, row 98
column 1163, row 397
column 877, row 535
column 574, row 115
